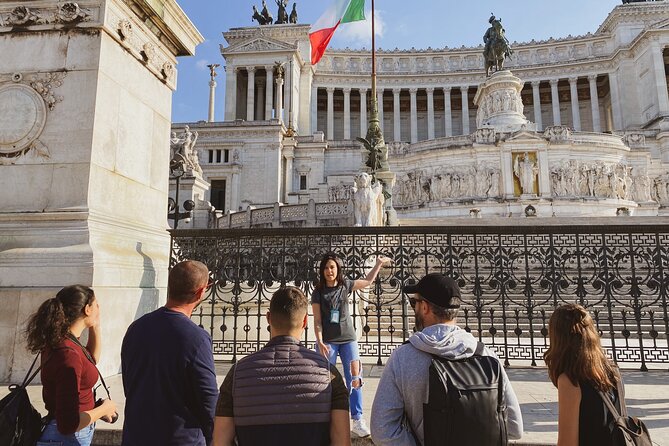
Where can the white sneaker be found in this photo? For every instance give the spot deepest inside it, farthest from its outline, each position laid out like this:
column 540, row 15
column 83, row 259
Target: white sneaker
column 359, row 428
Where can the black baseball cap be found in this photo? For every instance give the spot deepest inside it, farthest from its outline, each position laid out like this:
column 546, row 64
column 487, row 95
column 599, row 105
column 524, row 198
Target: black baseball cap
column 436, row 289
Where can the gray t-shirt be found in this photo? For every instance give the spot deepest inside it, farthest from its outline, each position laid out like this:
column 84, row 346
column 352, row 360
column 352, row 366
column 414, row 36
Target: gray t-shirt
column 335, row 298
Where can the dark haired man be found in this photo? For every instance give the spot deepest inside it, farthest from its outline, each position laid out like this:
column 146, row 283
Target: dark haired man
column 397, row 412
column 284, row 393
column 168, row 368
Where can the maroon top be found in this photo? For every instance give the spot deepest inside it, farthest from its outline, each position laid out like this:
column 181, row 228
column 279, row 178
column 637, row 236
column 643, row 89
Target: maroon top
column 68, row 378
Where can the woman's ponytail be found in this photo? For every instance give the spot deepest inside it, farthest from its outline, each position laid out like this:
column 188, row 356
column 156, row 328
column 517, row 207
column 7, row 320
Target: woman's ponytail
column 49, row 325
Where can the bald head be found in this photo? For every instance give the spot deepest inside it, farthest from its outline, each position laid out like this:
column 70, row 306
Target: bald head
column 185, row 280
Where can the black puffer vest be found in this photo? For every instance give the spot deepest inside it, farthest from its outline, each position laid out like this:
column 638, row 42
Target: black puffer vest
column 284, row 383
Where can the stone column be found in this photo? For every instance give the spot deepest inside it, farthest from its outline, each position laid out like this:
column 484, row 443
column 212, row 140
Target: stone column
column 259, row 99
column 212, row 100
column 288, row 92
column 230, row 93
column 660, row 79
column 575, row 111
column 430, row 113
column 465, row 110
column 330, row 115
column 397, row 123
column 250, row 93
column 279, row 99
column 363, row 112
column 414, row 115
column 448, row 118
column 288, row 154
column 555, row 100
column 269, row 91
column 536, row 99
column 379, row 98
column 347, row 113
column 314, row 109
column 594, row 104
column 615, row 102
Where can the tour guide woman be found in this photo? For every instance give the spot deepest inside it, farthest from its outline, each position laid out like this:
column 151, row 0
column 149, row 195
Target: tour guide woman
column 68, row 373
column 579, row 368
column 333, row 326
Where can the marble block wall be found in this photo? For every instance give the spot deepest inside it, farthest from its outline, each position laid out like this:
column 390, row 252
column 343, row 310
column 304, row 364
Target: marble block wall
column 84, row 183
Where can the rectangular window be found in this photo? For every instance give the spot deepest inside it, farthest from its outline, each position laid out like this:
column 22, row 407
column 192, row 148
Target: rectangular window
column 226, row 156
column 218, row 194
column 218, row 156
column 211, row 156
column 303, row 182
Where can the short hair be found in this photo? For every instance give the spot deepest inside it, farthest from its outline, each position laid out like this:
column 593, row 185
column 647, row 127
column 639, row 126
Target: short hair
column 185, row 279
column 445, row 314
column 287, row 308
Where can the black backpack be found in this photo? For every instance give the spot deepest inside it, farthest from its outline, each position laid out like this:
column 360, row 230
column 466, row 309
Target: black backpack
column 625, row 430
column 466, row 402
column 20, row 423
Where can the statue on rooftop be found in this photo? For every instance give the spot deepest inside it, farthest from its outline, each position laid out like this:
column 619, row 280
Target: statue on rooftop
column 293, row 14
column 282, row 15
column 258, row 17
column 266, row 14
column 497, row 47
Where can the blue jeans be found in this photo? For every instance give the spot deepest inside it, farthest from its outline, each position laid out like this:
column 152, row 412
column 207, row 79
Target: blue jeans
column 348, row 352
column 51, row 436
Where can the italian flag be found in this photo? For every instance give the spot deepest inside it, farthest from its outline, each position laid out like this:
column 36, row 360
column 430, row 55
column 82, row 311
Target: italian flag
column 340, row 11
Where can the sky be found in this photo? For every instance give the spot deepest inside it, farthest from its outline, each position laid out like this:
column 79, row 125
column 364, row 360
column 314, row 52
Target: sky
column 399, row 24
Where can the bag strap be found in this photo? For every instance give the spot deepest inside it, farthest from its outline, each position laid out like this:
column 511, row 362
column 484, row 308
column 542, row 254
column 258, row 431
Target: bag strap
column 480, row 346
column 29, row 378
column 73, row 338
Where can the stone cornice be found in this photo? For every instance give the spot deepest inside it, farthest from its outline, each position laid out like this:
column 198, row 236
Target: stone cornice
column 169, row 23
column 42, row 15
column 279, row 32
column 645, row 13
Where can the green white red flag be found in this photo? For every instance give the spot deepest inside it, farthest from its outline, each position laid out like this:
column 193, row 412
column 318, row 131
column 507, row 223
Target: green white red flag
column 339, row 12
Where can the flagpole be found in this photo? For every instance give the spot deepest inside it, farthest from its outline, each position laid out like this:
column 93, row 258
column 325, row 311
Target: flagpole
column 373, row 59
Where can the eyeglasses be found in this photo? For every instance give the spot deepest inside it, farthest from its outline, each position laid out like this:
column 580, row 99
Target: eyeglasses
column 413, row 301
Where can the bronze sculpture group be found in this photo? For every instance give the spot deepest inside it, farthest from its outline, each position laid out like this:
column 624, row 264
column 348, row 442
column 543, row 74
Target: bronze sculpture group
column 264, row 17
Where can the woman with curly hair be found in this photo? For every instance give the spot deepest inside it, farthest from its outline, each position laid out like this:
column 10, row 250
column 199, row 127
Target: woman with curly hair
column 68, row 368
column 579, row 368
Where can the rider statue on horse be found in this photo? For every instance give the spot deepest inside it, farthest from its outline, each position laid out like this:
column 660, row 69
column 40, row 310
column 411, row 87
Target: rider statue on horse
column 496, row 46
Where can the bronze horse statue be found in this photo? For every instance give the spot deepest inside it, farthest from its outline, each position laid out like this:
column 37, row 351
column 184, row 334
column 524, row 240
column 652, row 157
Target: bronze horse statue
column 496, row 46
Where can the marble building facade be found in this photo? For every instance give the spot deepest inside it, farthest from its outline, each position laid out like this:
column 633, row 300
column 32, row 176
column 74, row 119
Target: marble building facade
column 597, row 133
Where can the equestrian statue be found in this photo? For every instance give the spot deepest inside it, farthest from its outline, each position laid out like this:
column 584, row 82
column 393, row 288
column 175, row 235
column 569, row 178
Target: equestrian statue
column 497, row 46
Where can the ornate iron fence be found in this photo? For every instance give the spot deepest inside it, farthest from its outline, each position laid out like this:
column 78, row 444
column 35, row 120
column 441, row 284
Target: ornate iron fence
column 511, row 279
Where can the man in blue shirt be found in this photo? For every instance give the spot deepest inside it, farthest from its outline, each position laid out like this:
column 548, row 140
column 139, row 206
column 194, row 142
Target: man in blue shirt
column 168, row 368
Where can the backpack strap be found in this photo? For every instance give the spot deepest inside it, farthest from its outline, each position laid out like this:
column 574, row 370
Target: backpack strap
column 480, row 346
column 72, row 338
column 30, row 375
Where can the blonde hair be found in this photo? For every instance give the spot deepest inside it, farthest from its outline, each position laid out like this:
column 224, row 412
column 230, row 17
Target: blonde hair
column 576, row 349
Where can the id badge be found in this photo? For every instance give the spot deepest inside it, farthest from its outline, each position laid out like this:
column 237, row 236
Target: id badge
column 334, row 316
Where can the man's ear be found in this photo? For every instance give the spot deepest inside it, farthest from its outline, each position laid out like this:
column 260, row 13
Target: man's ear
column 305, row 320
column 269, row 318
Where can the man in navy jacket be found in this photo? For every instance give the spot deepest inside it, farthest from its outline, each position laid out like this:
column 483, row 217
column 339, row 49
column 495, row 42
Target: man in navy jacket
column 168, row 369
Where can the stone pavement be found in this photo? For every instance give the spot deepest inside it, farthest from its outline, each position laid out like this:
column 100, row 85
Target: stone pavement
column 647, row 395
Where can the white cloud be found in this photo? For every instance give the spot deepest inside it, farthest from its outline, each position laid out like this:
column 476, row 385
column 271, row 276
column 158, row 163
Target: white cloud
column 360, row 33
column 202, row 64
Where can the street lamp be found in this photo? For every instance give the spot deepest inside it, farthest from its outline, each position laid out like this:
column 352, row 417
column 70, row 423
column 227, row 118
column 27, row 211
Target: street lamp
column 176, row 172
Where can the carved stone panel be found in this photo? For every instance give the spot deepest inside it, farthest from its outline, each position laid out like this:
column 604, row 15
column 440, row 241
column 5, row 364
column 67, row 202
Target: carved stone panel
column 22, row 118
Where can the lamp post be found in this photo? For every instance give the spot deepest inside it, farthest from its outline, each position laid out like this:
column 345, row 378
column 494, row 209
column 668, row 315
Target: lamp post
column 176, row 172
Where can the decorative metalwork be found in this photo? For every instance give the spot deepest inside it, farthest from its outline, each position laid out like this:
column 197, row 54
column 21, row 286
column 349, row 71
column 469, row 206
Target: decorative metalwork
column 511, row 278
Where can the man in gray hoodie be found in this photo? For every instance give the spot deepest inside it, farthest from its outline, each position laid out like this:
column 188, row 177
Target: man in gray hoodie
column 397, row 412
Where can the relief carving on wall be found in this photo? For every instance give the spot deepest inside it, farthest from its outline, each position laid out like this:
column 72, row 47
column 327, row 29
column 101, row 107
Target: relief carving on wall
column 476, row 181
column 25, row 102
column 599, row 179
column 67, row 13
